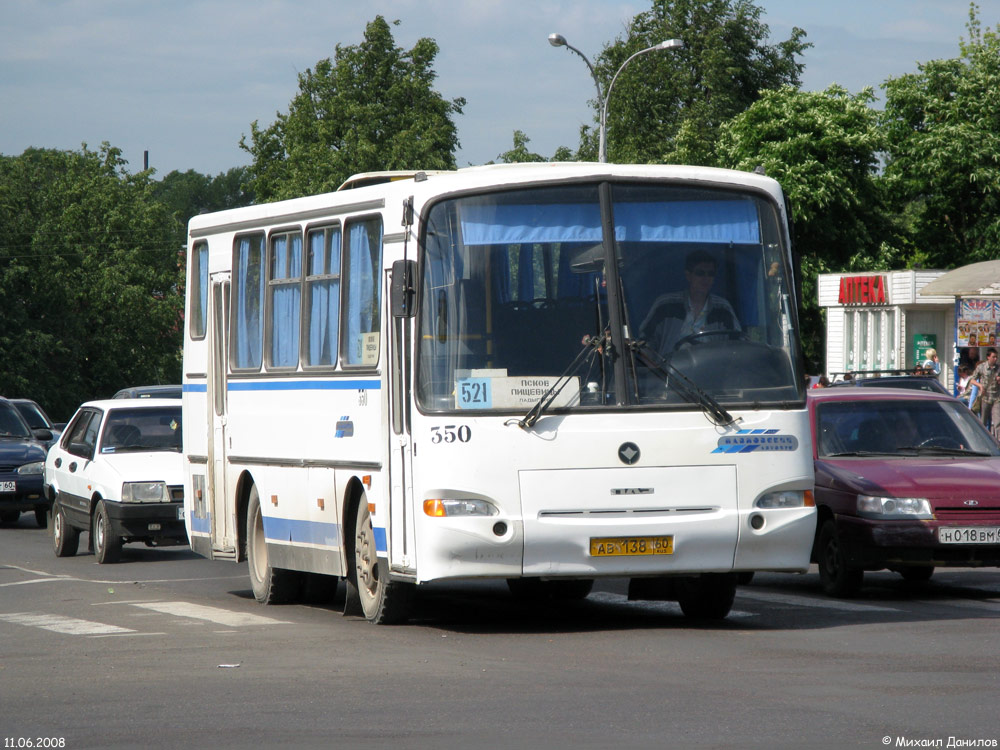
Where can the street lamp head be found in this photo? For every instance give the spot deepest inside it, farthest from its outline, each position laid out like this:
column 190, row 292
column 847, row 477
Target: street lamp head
column 557, row 40
column 667, row 44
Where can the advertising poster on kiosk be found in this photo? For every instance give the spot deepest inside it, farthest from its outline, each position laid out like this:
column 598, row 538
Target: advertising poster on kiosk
column 977, row 322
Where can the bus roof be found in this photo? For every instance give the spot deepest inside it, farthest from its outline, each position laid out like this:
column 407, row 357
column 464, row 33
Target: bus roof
column 361, row 189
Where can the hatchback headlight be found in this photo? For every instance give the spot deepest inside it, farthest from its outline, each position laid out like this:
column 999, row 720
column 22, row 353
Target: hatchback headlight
column 35, row 467
column 894, row 507
column 145, row 492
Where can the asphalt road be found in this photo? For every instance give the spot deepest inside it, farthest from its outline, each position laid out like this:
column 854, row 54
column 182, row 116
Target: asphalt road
column 168, row 650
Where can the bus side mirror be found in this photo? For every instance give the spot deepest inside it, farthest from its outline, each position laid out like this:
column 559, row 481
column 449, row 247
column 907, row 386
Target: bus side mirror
column 402, row 293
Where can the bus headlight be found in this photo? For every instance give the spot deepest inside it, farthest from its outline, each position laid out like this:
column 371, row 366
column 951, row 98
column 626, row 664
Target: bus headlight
column 894, row 507
column 145, row 492
column 786, row 499
column 467, row 506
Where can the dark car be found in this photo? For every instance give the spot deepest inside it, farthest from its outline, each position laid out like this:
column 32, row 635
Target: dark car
column 22, row 464
column 150, row 391
column 912, row 382
column 905, row 480
column 37, row 419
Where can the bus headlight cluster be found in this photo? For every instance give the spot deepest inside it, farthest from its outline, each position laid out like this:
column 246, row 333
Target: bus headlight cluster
column 786, row 499
column 898, row 507
column 467, row 506
column 145, row 492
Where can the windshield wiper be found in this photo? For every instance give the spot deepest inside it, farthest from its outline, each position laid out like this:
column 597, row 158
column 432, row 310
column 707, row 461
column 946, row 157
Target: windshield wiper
column 943, row 450
column 591, row 345
column 681, row 383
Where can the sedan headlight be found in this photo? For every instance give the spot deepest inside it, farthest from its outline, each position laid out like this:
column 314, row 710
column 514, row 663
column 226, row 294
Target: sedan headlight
column 460, row 507
column 894, row 507
column 786, row 499
column 145, row 492
column 35, row 467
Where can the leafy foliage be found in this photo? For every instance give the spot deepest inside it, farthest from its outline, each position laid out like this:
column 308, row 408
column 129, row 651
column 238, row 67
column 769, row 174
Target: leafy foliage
column 190, row 193
column 90, row 274
column 372, row 107
column 942, row 126
column 667, row 106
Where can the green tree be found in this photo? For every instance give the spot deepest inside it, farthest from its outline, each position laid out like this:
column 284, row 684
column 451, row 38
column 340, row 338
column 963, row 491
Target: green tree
column 190, row 193
column 519, row 153
column 666, row 107
column 823, row 148
column 91, row 291
column 372, row 107
column 942, row 168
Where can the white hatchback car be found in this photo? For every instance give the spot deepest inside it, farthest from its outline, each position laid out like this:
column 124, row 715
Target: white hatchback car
column 117, row 472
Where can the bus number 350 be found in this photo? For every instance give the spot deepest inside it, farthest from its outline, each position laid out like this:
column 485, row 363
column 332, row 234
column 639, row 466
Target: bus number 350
column 449, row 434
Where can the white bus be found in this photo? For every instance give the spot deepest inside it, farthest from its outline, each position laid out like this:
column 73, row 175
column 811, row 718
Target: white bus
column 544, row 373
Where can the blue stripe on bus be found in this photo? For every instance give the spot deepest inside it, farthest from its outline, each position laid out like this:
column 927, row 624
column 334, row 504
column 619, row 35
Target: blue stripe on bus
column 312, row 532
column 302, row 532
column 333, row 384
column 201, row 525
column 194, row 388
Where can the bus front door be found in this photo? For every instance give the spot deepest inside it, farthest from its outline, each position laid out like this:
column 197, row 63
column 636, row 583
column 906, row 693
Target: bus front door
column 222, row 505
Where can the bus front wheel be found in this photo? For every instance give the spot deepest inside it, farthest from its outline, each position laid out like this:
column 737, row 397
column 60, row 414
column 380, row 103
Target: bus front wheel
column 270, row 585
column 383, row 601
column 707, row 597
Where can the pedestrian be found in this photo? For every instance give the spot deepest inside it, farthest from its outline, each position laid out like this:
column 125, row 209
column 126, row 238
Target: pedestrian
column 987, row 378
column 932, row 366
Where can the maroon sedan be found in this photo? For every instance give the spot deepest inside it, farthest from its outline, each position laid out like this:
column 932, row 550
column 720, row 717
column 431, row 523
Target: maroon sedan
column 905, row 480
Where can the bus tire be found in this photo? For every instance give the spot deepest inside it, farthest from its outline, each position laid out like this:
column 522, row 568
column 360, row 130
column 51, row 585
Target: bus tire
column 835, row 575
column 383, row 601
column 270, row 585
column 707, row 597
column 107, row 544
column 65, row 538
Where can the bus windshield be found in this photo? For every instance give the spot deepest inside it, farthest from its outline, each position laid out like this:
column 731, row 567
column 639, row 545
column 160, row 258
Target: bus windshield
column 626, row 289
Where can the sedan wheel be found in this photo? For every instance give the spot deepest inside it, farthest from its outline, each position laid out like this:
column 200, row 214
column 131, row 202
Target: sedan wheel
column 837, row 578
column 65, row 539
column 107, row 544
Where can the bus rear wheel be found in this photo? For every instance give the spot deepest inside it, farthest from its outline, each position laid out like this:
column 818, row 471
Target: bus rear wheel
column 270, row 585
column 383, row 602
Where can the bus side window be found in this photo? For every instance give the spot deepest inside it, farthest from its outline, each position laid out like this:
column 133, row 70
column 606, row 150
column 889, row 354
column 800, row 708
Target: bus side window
column 363, row 294
column 248, row 302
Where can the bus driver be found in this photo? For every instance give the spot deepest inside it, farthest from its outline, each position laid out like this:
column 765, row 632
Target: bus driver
column 676, row 315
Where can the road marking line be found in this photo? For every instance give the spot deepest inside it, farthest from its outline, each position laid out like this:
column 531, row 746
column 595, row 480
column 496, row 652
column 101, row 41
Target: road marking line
column 801, row 601
column 33, row 580
column 671, row 607
column 212, row 614
column 60, row 624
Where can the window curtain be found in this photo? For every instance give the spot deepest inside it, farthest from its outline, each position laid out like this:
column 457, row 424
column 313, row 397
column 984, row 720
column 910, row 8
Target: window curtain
column 247, row 334
column 363, row 286
column 324, row 299
column 286, row 295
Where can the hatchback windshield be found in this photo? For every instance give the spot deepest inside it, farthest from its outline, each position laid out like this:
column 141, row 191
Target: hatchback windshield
column 618, row 286
column 900, row 428
column 142, row 430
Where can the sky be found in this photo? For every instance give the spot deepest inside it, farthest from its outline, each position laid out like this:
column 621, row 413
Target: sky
column 184, row 79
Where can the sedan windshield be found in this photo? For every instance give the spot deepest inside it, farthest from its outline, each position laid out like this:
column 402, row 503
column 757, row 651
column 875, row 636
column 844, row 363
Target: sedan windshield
column 524, row 286
column 142, row 430
column 900, row 428
column 12, row 425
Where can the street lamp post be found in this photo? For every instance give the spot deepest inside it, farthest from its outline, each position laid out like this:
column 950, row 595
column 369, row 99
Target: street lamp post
column 558, row 40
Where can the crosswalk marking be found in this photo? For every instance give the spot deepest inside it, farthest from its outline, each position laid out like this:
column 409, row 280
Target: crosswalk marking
column 60, row 624
column 212, row 614
column 803, row 601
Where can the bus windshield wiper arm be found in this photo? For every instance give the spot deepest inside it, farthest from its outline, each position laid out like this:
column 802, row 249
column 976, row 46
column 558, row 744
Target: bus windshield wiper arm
column 681, row 383
column 591, row 344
